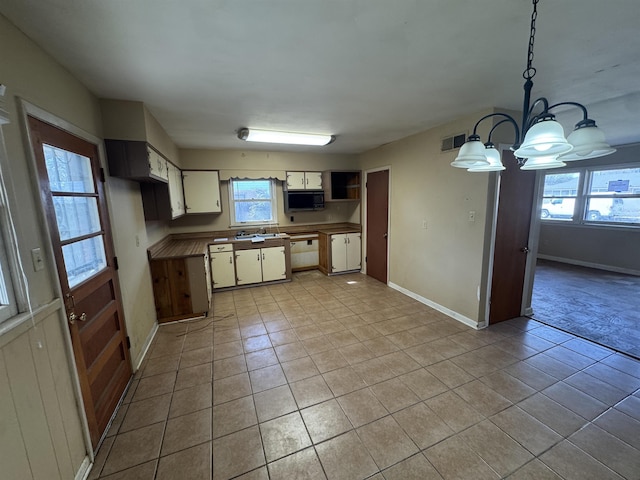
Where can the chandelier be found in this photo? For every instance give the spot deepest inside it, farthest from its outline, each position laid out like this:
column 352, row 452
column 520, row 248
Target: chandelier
column 543, row 144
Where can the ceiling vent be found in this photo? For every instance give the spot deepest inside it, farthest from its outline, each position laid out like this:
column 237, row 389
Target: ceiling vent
column 453, row 142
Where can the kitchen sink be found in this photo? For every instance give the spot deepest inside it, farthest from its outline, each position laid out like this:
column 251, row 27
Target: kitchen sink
column 249, row 236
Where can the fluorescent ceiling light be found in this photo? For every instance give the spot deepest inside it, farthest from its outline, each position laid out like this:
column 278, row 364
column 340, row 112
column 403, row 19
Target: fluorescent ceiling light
column 270, row 136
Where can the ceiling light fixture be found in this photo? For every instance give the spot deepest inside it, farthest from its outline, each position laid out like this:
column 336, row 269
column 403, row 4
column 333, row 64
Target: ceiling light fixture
column 271, row 136
column 543, row 144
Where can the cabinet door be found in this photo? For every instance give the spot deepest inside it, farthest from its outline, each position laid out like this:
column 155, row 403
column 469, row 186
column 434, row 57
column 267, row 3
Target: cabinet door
column 223, row 273
column 248, row 266
column 354, row 253
column 198, row 292
column 338, row 252
column 295, row 181
column 201, row 191
column 157, row 165
column 176, row 193
column 273, row 264
column 313, row 180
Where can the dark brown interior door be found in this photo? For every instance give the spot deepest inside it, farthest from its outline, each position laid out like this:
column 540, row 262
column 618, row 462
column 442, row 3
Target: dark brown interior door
column 72, row 192
column 377, row 224
column 512, row 238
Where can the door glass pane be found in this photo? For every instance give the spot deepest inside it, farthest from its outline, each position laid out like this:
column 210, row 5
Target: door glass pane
column 84, row 259
column 76, row 216
column 68, row 171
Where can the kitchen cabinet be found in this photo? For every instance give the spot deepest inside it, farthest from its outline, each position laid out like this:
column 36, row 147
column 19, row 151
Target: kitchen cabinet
column 341, row 186
column 180, row 287
column 340, row 252
column 201, row 191
column 223, row 272
column 164, row 201
column 304, row 181
column 135, row 160
column 256, row 265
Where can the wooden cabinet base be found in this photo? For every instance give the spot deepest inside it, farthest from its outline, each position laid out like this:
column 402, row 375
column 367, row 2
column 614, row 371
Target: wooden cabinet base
column 179, row 288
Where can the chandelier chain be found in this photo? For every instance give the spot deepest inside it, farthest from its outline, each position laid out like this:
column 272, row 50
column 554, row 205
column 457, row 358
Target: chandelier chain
column 530, row 71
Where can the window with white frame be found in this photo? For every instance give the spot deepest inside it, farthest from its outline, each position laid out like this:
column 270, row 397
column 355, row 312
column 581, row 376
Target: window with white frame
column 8, row 304
column 593, row 195
column 252, row 202
column 559, row 196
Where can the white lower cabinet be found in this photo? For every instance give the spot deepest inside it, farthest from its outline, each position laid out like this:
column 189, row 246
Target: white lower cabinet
column 260, row 265
column 223, row 273
column 345, row 252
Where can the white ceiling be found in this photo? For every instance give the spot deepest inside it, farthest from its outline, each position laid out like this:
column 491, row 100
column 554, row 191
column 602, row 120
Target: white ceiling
column 368, row 71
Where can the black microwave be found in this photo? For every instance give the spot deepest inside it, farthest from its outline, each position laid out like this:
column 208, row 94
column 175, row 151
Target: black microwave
column 303, row 200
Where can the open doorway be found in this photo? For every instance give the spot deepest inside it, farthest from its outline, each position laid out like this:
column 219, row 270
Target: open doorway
column 587, row 277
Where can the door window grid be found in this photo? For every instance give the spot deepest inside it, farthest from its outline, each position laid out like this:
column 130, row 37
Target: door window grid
column 75, row 201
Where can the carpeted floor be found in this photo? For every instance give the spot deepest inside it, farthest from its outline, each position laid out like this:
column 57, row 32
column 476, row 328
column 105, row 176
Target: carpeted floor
column 601, row 306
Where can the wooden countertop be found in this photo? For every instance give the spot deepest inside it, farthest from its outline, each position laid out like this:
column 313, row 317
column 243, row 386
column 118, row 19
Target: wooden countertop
column 196, row 244
column 332, row 231
column 172, row 248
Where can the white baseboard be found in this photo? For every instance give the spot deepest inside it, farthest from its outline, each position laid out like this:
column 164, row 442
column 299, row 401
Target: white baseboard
column 599, row 266
column 85, row 469
column 147, row 344
column 455, row 315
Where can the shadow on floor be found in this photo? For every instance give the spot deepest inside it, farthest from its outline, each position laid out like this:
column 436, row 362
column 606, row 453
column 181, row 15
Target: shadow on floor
column 598, row 305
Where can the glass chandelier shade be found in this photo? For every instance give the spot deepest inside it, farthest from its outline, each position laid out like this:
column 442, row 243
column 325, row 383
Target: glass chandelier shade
column 588, row 142
column 543, row 163
column 493, row 157
column 471, row 153
column 544, row 139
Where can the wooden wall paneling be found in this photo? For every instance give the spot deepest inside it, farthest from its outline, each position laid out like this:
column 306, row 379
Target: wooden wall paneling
column 70, row 410
column 13, row 453
column 180, row 289
column 23, row 380
column 51, row 403
column 161, row 288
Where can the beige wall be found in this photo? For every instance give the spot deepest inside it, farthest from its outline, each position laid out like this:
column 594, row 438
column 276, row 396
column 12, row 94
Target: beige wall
column 444, row 263
column 258, row 163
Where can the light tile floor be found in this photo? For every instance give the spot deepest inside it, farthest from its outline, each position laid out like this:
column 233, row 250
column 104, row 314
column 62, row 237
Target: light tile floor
column 344, row 378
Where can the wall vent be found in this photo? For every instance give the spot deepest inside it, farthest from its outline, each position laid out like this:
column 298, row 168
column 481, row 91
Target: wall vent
column 453, row 142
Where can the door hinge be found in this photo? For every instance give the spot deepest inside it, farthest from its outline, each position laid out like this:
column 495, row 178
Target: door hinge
column 128, row 343
column 115, row 263
column 102, row 177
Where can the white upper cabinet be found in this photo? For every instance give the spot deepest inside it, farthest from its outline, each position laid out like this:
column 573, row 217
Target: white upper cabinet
column 157, row 165
column 304, row 181
column 201, row 191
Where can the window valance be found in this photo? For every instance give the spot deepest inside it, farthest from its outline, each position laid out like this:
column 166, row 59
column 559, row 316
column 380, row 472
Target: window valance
column 253, row 174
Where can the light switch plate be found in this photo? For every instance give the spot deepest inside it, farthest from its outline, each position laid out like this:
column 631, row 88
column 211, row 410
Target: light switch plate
column 36, row 256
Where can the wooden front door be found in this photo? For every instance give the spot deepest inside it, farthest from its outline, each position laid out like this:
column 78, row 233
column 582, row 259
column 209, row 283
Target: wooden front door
column 72, row 192
column 512, row 237
column 377, row 224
